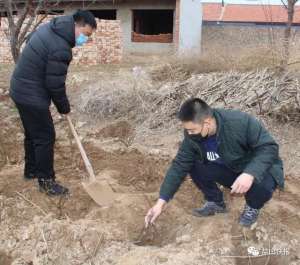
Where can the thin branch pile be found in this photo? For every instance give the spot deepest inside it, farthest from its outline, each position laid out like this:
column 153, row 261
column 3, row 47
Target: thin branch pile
column 262, row 92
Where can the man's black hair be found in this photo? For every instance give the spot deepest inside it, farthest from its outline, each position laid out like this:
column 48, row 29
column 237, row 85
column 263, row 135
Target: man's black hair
column 83, row 17
column 195, row 110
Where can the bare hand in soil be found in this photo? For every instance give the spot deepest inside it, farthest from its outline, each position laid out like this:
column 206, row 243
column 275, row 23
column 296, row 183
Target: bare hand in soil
column 154, row 212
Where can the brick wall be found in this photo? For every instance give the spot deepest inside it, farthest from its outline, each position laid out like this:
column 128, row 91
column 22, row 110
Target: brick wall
column 231, row 39
column 247, row 46
column 5, row 54
column 105, row 47
column 160, row 38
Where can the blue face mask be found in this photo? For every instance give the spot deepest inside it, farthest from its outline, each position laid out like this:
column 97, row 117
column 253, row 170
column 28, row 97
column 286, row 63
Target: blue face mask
column 81, row 39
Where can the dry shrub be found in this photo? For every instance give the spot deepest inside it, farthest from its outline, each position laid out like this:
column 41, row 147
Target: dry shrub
column 264, row 91
column 174, row 70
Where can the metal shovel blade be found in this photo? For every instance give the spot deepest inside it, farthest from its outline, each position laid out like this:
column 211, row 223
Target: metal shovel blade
column 100, row 192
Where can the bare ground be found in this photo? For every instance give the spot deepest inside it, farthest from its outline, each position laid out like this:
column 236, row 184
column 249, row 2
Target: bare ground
column 35, row 229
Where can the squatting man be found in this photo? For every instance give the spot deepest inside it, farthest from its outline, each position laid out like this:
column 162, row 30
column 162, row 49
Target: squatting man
column 226, row 147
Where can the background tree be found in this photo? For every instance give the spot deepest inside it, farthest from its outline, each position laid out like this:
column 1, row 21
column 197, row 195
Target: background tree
column 290, row 7
column 23, row 18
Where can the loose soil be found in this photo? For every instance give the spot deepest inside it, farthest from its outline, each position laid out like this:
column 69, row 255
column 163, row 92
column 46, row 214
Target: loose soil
column 36, row 229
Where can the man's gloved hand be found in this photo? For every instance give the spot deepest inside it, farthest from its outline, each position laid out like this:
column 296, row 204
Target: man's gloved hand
column 63, row 108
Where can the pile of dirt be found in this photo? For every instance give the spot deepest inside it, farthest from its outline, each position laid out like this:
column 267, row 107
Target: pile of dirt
column 121, row 131
column 145, row 174
column 5, row 259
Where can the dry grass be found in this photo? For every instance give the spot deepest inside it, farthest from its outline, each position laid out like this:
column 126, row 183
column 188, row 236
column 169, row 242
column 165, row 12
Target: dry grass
column 216, row 59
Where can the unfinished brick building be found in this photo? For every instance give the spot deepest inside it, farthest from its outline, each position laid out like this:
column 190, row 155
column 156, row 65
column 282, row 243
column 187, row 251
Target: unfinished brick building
column 143, row 26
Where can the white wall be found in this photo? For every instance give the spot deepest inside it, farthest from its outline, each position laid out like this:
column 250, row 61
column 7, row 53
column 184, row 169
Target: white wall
column 190, row 27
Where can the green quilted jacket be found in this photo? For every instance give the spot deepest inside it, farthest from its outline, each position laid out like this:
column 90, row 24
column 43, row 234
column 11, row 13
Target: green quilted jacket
column 243, row 144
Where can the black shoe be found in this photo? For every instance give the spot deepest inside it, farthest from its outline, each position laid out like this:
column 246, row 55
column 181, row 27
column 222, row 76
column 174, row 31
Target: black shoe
column 210, row 208
column 248, row 216
column 51, row 187
column 30, row 176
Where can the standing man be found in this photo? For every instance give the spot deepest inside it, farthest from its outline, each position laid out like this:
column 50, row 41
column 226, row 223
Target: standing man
column 39, row 78
column 228, row 147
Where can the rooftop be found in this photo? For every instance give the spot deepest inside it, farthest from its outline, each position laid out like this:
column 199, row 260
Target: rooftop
column 247, row 13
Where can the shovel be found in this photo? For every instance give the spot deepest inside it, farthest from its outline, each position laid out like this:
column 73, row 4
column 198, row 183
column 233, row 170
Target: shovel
column 99, row 190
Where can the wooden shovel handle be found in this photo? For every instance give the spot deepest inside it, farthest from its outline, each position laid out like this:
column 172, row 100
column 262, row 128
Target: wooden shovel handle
column 86, row 161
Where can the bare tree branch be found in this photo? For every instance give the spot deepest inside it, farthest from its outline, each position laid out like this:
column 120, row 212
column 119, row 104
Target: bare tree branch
column 30, row 23
column 23, row 19
column 285, row 5
column 36, row 24
column 9, row 11
column 23, row 16
column 290, row 7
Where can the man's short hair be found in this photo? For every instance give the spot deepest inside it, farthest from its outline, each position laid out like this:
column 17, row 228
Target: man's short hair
column 83, row 17
column 195, row 110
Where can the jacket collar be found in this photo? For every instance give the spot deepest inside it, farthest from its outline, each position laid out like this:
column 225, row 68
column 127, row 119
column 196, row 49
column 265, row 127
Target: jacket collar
column 220, row 122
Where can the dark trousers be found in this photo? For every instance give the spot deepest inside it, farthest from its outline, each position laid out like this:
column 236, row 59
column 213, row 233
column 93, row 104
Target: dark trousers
column 206, row 176
column 38, row 142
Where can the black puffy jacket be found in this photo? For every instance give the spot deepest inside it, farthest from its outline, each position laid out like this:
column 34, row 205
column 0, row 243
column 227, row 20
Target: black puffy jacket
column 41, row 71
